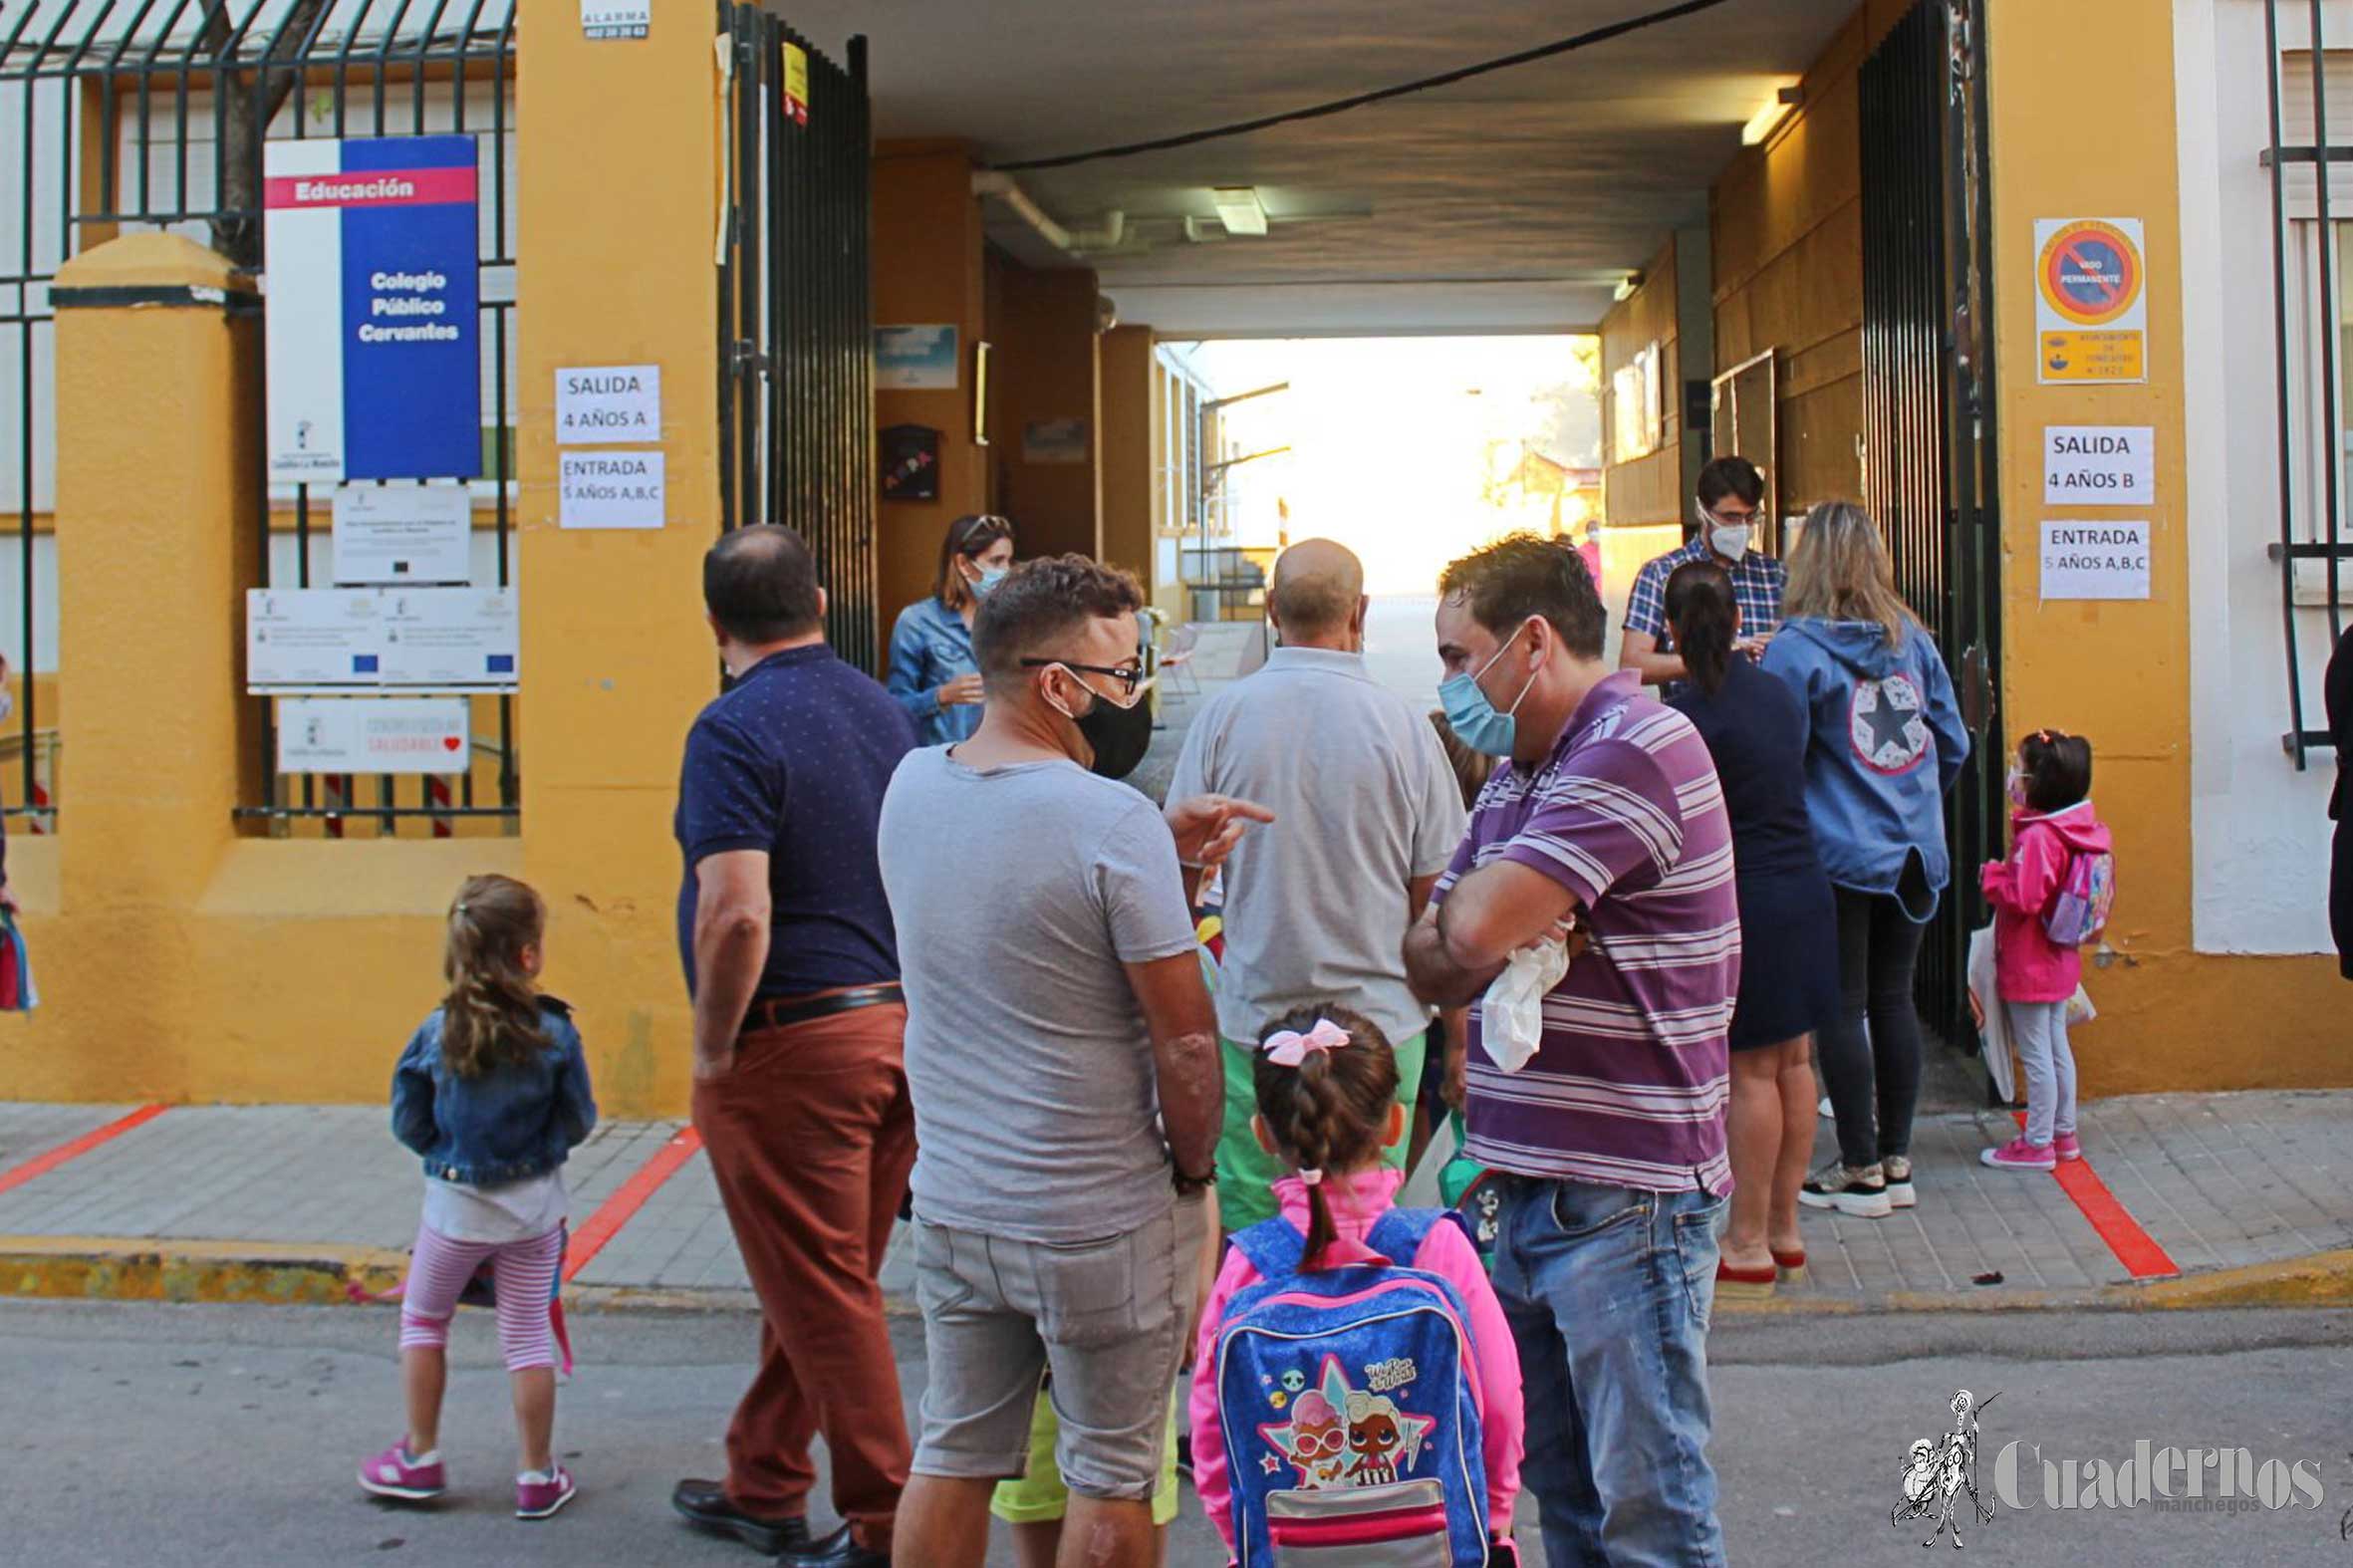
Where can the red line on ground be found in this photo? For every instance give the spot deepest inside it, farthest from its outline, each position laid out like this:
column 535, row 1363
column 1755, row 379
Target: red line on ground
column 2134, row 1248
column 41, row 1165
column 619, row 1210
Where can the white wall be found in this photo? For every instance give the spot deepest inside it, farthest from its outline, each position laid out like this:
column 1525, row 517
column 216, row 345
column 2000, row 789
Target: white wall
column 2259, row 828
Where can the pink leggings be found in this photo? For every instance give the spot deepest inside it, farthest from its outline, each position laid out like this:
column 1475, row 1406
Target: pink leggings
column 523, row 1275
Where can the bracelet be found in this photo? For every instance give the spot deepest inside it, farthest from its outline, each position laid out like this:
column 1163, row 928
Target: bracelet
column 1186, row 1185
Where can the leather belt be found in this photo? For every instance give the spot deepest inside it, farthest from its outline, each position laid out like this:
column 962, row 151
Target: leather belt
column 784, row 1011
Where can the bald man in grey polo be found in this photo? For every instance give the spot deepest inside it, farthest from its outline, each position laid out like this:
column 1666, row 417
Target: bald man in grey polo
column 1366, row 814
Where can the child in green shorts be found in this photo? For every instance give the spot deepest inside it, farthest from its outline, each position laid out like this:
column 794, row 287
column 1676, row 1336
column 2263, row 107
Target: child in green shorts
column 1034, row 1503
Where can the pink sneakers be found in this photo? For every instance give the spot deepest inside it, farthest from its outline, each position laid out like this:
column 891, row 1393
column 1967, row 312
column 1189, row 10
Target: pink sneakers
column 396, row 1473
column 2066, row 1146
column 2019, row 1155
column 541, row 1493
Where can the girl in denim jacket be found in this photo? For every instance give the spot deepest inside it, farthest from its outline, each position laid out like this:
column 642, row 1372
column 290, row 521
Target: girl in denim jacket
column 493, row 1093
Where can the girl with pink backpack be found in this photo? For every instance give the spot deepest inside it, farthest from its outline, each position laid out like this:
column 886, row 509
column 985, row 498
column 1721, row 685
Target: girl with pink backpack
column 2050, row 898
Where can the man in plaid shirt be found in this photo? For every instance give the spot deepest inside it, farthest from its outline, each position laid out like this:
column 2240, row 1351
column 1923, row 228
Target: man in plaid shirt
column 1731, row 493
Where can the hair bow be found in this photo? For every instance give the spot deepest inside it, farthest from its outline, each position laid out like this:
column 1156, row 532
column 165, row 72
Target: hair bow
column 1289, row 1048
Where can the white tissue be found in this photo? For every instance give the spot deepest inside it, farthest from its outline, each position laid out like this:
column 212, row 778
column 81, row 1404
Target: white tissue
column 1511, row 1019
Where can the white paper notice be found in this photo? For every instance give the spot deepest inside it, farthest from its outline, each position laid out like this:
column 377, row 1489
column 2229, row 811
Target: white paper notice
column 607, row 403
column 445, row 638
column 612, row 490
column 313, row 637
column 2098, row 464
column 2095, row 559
column 403, row 533
column 610, row 19
column 392, row 736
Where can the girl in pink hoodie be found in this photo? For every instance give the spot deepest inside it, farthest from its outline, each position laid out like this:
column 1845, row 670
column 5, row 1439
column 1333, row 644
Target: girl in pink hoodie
column 2052, row 823
column 1326, row 1085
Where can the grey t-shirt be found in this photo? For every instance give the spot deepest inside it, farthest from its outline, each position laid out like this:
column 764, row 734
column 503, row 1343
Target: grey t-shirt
column 1018, row 894
column 1364, row 802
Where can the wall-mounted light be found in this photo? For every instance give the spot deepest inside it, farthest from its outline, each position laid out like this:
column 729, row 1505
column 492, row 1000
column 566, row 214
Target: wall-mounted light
column 1238, row 209
column 1626, row 286
column 1768, row 120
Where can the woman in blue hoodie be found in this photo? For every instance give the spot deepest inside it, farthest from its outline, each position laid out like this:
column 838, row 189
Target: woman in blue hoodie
column 1886, row 744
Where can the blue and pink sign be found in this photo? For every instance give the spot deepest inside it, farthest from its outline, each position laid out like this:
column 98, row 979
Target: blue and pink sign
column 372, row 280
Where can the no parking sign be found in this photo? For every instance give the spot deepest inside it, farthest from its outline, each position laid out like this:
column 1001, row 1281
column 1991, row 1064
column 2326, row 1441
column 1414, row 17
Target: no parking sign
column 2091, row 305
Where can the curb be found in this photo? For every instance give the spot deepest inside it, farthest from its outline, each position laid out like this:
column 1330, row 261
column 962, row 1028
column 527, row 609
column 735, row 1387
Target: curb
column 107, row 1269
column 323, row 1274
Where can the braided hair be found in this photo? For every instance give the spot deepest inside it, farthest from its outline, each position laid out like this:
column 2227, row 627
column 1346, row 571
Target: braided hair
column 1328, row 1114
column 490, row 1017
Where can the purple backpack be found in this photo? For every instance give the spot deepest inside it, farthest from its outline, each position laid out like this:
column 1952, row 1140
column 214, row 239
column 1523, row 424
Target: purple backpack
column 2079, row 911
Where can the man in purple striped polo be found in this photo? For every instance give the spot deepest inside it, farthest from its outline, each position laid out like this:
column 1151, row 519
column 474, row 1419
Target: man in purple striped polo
column 1609, row 819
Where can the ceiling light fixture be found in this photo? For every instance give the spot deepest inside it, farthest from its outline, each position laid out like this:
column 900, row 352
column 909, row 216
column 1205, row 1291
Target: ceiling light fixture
column 1238, row 209
column 1768, row 120
column 1626, row 286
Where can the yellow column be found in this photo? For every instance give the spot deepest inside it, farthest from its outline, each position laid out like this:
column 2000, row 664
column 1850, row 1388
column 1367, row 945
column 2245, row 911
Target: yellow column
column 619, row 201
column 2119, row 671
column 1127, row 450
column 157, row 399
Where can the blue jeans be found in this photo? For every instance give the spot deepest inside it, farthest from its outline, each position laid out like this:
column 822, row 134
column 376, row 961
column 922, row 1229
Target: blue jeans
column 1608, row 1291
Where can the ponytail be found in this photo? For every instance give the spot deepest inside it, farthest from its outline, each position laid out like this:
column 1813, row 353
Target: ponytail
column 490, row 1016
column 1706, row 617
column 1327, row 1113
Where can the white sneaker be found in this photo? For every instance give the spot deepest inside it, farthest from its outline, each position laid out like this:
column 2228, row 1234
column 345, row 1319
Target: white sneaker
column 1862, row 1191
column 1898, row 1170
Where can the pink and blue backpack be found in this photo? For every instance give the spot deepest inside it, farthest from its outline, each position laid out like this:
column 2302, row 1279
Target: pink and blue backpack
column 2079, row 911
column 1349, row 1401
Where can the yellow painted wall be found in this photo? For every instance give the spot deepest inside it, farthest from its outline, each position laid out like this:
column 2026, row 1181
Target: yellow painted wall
column 180, row 960
column 928, row 270
column 1648, row 491
column 2119, row 671
column 1128, row 436
column 1044, row 319
column 1787, row 221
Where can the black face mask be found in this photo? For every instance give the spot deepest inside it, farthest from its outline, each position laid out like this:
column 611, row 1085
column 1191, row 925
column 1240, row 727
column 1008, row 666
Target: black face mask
column 1120, row 736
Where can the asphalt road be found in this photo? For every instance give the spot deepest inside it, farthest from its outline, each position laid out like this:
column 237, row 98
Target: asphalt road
column 145, row 1436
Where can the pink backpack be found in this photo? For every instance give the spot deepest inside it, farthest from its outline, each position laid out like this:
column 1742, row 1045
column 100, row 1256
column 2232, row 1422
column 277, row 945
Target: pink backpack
column 2079, row 913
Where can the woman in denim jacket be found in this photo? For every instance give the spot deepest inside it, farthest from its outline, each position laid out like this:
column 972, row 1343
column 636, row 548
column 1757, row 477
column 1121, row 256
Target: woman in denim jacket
column 493, row 1093
column 933, row 673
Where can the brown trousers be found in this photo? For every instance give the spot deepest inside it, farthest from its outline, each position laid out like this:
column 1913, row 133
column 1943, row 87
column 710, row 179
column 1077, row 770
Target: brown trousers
column 811, row 1138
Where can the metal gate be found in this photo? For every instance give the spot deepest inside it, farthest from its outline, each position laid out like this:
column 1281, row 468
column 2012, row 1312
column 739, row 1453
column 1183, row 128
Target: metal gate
column 1928, row 411
column 796, row 317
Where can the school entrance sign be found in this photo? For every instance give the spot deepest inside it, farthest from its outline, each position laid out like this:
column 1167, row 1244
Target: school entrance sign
column 373, row 357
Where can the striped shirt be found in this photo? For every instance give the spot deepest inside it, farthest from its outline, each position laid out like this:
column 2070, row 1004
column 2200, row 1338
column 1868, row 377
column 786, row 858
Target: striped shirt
column 1630, row 1084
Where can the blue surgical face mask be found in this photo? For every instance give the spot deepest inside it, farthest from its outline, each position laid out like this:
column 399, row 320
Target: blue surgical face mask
column 990, row 577
column 1474, row 719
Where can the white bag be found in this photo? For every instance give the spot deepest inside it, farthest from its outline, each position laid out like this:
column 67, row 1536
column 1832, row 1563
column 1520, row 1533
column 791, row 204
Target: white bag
column 1511, row 1019
column 1993, row 1031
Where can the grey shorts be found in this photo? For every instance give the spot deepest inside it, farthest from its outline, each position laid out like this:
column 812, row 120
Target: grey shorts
column 1107, row 1317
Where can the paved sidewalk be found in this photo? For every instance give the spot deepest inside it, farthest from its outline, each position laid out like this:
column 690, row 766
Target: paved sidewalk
column 2213, row 1183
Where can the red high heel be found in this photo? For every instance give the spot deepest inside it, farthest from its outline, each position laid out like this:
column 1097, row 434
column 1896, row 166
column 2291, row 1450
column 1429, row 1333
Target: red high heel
column 1790, row 1265
column 1743, row 1285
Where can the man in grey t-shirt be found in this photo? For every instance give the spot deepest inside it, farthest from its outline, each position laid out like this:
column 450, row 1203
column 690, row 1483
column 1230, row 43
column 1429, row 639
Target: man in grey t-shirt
column 1063, row 1062
column 1317, row 910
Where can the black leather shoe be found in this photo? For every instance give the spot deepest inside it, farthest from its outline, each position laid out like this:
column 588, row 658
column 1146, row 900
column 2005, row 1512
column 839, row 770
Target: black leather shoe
column 705, row 1505
column 837, row 1550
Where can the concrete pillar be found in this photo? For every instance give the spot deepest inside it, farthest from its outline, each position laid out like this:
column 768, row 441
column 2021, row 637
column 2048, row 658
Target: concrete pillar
column 1127, row 450
column 927, row 272
column 1048, row 478
column 159, row 391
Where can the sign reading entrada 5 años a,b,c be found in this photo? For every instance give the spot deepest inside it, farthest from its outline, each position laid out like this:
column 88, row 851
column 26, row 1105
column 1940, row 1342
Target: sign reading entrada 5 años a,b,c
column 373, row 288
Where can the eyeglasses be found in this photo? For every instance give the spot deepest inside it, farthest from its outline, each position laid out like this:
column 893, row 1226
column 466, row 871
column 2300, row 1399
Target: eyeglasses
column 1129, row 676
column 1734, row 519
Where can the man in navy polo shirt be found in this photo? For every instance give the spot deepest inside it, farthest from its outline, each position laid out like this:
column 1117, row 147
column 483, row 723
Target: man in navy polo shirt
column 800, row 1083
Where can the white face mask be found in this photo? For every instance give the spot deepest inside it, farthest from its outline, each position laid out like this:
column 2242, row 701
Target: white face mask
column 1730, row 540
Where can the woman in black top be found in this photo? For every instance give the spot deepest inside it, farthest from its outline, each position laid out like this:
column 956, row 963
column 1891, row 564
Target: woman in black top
column 1756, row 731
column 2339, row 693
